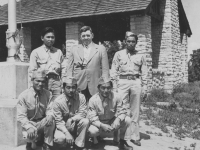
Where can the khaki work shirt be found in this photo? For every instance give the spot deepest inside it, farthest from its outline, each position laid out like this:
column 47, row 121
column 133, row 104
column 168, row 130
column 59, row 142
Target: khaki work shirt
column 65, row 108
column 50, row 61
column 32, row 106
column 126, row 64
column 105, row 109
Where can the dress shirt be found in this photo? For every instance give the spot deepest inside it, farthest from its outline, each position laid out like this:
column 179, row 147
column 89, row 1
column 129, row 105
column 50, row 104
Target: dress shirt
column 32, row 106
column 104, row 109
column 126, row 64
column 86, row 51
column 49, row 60
column 65, row 107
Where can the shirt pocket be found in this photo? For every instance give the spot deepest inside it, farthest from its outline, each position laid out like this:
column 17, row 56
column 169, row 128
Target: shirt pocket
column 123, row 65
column 137, row 65
column 42, row 63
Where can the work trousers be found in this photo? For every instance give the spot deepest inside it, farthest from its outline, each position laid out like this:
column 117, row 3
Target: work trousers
column 131, row 93
column 43, row 131
column 54, row 86
column 124, row 129
column 79, row 133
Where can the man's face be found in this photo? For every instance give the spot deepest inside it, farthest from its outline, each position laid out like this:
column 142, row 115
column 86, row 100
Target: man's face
column 48, row 39
column 131, row 43
column 70, row 89
column 86, row 37
column 39, row 83
column 105, row 89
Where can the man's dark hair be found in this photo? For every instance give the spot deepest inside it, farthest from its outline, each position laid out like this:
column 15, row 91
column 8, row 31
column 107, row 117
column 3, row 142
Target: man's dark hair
column 47, row 30
column 111, row 84
column 133, row 35
column 85, row 28
column 64, row 85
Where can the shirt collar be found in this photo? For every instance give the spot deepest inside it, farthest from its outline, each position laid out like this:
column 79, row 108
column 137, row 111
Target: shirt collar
column 34, row 92
column 88, row 45
column 46, row 49
column 110, row 97
column 128, row 52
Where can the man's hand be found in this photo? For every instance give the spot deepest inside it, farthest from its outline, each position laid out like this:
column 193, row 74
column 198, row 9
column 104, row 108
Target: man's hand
column 49, row 120
column 116, row 124
column 32, row 133
column 106, row 127
column 70, row 124
column 69, row 138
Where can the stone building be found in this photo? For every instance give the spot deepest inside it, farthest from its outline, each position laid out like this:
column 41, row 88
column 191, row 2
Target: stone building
column 161, row 25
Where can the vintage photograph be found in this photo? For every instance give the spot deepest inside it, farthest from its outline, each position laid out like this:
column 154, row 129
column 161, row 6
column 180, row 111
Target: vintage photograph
column 99, row 75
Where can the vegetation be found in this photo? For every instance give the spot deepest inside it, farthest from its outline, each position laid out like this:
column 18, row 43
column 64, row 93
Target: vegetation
column 182, row 112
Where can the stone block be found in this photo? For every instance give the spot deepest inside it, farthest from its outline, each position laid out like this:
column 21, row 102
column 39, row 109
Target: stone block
column 13, row 79
column 10, row 129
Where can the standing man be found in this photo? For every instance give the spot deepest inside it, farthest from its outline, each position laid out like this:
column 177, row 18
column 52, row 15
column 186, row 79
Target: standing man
column 88, row 62
column 48, row 58
column 35, row 114
column 108, row 114
column 70, row 115
column 128, row 73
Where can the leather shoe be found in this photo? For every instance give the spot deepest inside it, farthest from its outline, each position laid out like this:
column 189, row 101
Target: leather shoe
column 46, row 147
column 136, row 142
column 124, row 145
column 28, row 146
column 79, row 148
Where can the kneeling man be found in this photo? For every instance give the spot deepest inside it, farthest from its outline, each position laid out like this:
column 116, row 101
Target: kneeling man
column 35, row 114
column 108, row 114
column 70, row 116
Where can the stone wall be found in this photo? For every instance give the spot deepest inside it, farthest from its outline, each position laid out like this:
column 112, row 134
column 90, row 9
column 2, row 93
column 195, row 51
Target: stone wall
column 141, row 25
column 169, row 47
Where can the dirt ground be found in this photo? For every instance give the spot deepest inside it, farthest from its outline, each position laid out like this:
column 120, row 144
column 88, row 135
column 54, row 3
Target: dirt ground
column 156, row 141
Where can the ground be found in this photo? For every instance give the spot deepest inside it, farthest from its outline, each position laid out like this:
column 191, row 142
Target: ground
column 158, row 141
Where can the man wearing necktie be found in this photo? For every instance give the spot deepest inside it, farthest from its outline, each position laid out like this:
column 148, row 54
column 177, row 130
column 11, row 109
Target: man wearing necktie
column 128, row 73
column 87, row 62
column 70, row 116
column 108, row 114
column 34, row 112
column 50, row 59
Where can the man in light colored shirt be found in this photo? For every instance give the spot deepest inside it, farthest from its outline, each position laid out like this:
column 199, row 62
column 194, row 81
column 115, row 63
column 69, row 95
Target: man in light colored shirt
column 50, row 59
column 70, row 115
column 128, row 73
column 108, row 114
column 87, row 62
column 35, row 114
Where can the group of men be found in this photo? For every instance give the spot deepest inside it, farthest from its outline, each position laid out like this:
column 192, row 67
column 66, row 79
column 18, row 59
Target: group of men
column 71, row 102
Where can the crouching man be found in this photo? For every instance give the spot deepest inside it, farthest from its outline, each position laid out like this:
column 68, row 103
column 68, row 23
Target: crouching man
column 35, row 114
column 107, row 114
column 70, row 116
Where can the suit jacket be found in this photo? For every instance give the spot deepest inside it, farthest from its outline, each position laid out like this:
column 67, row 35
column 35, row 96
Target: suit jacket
column 96, row 66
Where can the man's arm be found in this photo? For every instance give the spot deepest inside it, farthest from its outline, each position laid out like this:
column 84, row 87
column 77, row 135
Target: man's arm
column 92, row 114
column 144, row 70
column 121, row 110
column 114, row 70
column 70, row 65
column 82, row 109
column 104, row 62
column 22, row 113
column 60, row 123
column 33, row 63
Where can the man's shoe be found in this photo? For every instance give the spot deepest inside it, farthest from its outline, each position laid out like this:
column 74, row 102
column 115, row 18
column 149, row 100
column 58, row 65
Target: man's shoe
column 136, row 142
column 79, row 148
column 28, row 146
column 124, row 145
column 46, row 147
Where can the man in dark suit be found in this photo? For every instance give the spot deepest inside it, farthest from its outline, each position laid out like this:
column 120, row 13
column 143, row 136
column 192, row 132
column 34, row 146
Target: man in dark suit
column 87, row 62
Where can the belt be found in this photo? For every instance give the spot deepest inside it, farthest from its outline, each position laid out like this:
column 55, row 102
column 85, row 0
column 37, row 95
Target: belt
column 53, row 76
column 129, row 77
